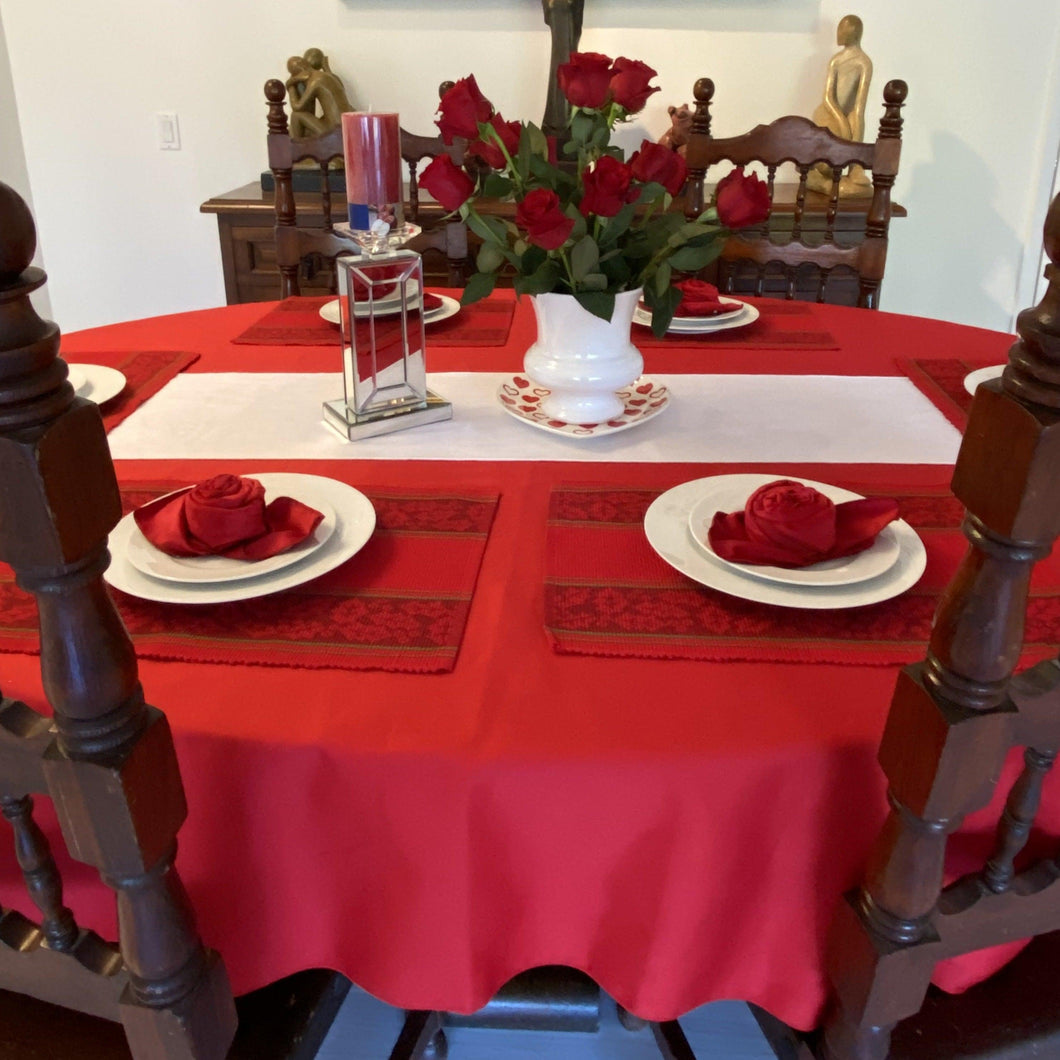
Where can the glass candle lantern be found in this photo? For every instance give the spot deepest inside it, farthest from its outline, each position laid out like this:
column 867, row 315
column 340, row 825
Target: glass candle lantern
column 383, row 347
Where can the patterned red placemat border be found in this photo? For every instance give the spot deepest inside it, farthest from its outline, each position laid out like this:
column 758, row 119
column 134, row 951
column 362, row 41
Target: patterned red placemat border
column 941, row 380
column 145, row 374
column 297, row 322
column 608, row 593
column 781, row 325
column 400, row 604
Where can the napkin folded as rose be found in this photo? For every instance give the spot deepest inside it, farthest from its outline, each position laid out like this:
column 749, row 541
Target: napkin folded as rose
column 700, row 299
column 787, row 524
column 226, row 516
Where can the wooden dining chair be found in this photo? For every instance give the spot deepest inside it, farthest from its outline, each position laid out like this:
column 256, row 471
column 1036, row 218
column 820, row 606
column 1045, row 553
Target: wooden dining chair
column 104, row 757
column 303, row 249
column 955, row 716
column 802, row 249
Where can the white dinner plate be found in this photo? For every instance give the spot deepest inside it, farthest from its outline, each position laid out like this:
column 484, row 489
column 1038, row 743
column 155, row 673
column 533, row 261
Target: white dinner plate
column 981, row 375
column 748, row 314
column 95, row 382
column 729, row 493
column 384, row 307
column 354, row 518
column 666, row 527
column 194, row 570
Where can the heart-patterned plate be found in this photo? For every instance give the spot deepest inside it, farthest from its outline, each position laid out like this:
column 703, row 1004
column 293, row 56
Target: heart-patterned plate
column 642, row 399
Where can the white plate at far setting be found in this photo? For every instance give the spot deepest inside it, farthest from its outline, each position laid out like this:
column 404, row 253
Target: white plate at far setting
column 748, row 314
column 193, row 570
column 981, row 375
column 729, row 493
column 666, row 527
column 354, row 525
column 95, row 381
column 388, row 306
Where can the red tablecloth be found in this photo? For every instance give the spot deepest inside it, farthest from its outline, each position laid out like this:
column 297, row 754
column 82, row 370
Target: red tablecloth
column 681, row 830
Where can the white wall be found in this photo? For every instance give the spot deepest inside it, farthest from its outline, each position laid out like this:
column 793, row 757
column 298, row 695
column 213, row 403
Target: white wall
column 118, row 219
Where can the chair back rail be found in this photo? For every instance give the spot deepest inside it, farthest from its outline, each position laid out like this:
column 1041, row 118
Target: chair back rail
column 955, row 716
column 295, row 242
column 105, row 758
column 781, row 243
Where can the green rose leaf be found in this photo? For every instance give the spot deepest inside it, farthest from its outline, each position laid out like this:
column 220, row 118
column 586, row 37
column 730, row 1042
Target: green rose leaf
column 662, row 311
column 600, row 303
column 479, row 285
column 540, row 282
column 492, row 229
column 489, row 258
column 584, row 256
column 595, row 281
column 496, row 186
column 618, row 225
column 661, row 279
column 533, row 259
column 692, row 258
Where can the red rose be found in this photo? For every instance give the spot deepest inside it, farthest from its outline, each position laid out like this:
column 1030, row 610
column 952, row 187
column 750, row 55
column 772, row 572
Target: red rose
column 544, row 220
column 447, row 182
column 629, row 84
column 586, row 79
column 489, row 150
column 654, row 162
column 461, row 109
column 225, row 510
column 607, row 187
column 798, row 518
column 742, row 199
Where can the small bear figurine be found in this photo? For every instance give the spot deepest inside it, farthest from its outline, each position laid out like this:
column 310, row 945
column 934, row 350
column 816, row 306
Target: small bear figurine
column 680, row 125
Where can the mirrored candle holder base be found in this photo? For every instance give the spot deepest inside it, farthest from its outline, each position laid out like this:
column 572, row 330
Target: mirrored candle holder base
column 383, row 348
column 354, row 426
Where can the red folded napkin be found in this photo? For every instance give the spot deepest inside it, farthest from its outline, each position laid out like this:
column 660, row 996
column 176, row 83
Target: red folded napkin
column 700, row 299
column 226, row 516
column 788, row 524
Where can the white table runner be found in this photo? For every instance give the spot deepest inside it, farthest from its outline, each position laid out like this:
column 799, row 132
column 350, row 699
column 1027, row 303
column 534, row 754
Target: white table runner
column 727, row 418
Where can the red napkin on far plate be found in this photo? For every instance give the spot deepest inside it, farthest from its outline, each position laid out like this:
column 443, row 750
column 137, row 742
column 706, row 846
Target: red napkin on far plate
column 700, row 299
column 226, row 516
column 788, row 524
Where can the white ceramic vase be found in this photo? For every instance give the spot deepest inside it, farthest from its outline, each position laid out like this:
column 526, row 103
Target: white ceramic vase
column 582, row 359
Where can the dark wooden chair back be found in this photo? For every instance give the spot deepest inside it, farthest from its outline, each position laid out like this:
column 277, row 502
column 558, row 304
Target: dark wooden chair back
column 105, row 758
column 955, row 716
column 295, row 242
column 802, row 232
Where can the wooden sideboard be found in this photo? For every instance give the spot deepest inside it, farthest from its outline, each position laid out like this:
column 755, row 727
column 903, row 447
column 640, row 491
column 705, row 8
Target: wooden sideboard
column 245, row 219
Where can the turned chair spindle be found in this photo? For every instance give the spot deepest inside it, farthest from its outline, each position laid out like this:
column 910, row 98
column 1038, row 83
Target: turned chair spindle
column 955, row 716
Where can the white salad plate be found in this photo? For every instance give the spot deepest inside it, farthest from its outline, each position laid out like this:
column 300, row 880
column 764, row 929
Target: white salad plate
column 641, row 400
column 666, row 527
column 354, row 522
column 748, row 314
column 729, row 493
column 981, row 375
column 194, row 570
column 95, row 381
column 384, row 307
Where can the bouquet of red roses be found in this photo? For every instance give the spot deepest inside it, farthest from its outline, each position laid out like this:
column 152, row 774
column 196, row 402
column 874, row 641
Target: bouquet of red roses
column 595, row 228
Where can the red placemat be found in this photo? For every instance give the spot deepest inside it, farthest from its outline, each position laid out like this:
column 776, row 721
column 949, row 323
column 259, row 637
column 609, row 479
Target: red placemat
column 400, row 604
column 942, row 381
column 297, row 322
column 608, row 593
column 780, row 326
column 145, row 374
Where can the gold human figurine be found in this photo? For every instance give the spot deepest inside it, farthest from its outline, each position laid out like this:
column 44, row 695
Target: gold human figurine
column 842, row 112
column 312, row 85
column 564, row 19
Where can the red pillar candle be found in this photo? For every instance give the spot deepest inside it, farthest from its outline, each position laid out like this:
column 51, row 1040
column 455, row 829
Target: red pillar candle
column 372, row 145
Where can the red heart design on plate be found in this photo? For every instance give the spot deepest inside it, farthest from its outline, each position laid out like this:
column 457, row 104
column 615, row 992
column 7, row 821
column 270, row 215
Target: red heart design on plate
column 556, row 423
column 507, row 400
column 520, row 382
column 530, row 397
column 527, row 408
column 632, row 412
column 616, row 423
column 509, row 389
column 636, row 401
column 645, row 388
